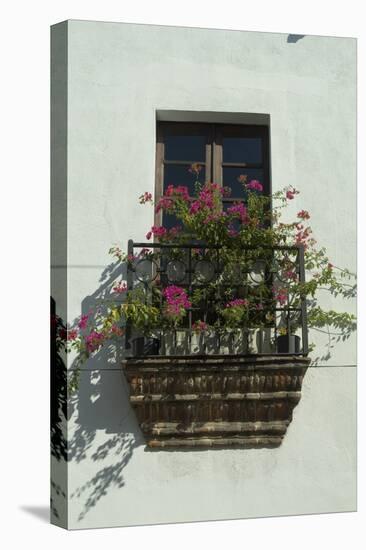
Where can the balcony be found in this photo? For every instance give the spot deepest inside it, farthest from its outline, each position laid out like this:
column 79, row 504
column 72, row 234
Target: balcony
column 218, row 378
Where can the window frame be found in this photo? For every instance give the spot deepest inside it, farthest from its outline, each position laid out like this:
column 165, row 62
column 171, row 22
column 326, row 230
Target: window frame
column 214, row 165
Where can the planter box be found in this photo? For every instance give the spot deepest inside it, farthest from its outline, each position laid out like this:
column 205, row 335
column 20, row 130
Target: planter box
column 288, row 344
column 208, row 343
column 142, row 346
column 215, row 401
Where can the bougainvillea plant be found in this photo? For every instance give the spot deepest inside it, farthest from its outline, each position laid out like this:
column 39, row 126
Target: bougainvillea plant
column 254, row 224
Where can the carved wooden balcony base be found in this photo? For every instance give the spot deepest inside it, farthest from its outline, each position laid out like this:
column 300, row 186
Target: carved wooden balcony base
column 215, row 401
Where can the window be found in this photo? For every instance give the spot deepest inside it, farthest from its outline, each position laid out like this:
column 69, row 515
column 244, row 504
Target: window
column 224, row 152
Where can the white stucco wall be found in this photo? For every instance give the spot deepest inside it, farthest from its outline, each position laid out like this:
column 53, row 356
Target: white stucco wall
column 120, row 77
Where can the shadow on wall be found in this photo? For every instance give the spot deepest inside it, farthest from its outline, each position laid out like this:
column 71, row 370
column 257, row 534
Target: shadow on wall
column 101, row 421
column 104, row 430
column 58, row 418
column 293, row 38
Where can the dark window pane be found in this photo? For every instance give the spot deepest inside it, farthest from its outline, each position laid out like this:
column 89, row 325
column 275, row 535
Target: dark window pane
column 169, row 220
column 242, row 149
column 190, row 148
column 180, row 175
column 230, row 179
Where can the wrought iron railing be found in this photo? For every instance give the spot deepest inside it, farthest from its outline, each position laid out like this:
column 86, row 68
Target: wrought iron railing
column 270, row 279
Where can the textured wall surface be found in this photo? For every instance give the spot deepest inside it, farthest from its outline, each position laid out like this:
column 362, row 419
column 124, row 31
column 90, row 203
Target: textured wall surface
column 120, row 78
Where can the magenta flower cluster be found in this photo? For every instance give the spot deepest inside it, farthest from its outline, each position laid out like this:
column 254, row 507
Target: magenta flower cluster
column 146, row 197
column 94, row 340
column 280, row 295
column 254, row 185
column 180, row 191
column 289, row 274
column 238, row 302
column 177, row 300
column 164, row 203
column 120, row 287
column 240, row 211
column 82, row 324
column 291, row 192
column 162, row 232
column 206, row 197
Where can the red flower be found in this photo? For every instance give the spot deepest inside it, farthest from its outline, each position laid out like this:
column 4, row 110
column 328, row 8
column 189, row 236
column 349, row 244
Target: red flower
column 164, row 204
column 303, row 214
column 94, row 340
column 195, row 207
column 120, row 287
column 83, row 321
column 181, row 191
column 157, row 231
column 116, row 331
column 280, row 295
column 291, row 192
column 146, row 197
column 254, row 185
column 238, row 302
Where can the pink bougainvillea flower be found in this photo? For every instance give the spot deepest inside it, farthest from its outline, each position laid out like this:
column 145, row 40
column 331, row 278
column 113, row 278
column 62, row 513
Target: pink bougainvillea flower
column 94, row 340
column 169, row 190
column 131, row 257
column 182, row 192
column 280, row 295
column 239, row 210
column 164, row 203
column 195, row 207
column 82, row 324
column 179, row 192
column 225, row 191
column 157, row 231
column 206, row 197
column 303, row 214
column 238, row 302
column 68, row 334
column 302, row 237
column 290, row 275
column 199, row 326
column 116, row 331
column 72, row 335
column 146, row 197
column 254, row 185
column 120, row 287
column 177, row 301
column 291, row 192
column 211, row 186
column 210, row 218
